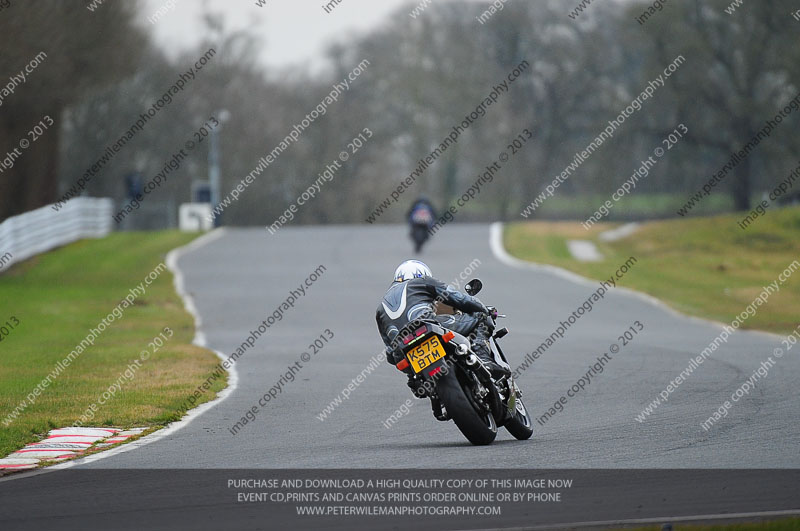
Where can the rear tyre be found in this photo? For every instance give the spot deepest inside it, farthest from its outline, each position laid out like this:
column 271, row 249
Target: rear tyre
column 419, row 233
column 478, row 428
column 520, row 425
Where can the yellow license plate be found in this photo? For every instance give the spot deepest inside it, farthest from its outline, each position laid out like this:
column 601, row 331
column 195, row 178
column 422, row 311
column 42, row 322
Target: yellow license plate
column 424, row 354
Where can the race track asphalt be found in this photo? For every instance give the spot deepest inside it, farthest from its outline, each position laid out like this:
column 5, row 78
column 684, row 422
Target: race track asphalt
column 239, row 279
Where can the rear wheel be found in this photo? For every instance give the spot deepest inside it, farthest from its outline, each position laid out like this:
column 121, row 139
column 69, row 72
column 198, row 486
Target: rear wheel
column 419, row 233
column 520, row 425
column 478, row 428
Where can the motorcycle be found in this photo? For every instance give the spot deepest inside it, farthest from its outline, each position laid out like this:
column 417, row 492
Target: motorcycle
column 421, row 221
column 419, row 235
column 460, row 386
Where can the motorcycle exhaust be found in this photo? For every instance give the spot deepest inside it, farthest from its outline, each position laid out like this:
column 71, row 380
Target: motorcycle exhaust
column 474, row 363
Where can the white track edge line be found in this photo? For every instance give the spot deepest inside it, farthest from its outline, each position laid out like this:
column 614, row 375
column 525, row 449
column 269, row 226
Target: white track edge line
column 499, row 252
column 199, row 340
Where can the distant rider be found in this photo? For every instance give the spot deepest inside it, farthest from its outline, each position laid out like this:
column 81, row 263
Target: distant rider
column 421, row 217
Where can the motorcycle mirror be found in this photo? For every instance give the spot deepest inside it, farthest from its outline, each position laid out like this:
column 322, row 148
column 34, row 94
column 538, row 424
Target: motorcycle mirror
column 474, row 286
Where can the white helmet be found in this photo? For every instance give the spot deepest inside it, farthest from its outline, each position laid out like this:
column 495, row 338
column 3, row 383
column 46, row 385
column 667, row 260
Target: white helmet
column 411, row 269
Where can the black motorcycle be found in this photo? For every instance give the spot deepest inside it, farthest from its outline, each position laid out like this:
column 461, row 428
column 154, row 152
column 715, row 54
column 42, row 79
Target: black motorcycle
column 420, row 219
column 419, row 235
column 460, row 386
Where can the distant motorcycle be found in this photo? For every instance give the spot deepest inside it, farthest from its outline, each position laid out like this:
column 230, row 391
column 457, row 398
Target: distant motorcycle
column 421, row 221
column 459, row 384
column 421, row 217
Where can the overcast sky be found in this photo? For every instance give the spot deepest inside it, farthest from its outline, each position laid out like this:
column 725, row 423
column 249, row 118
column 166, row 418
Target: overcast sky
column 294, row 31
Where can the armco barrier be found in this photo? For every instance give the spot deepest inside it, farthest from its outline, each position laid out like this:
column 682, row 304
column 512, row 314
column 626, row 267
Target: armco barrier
column 43, row 229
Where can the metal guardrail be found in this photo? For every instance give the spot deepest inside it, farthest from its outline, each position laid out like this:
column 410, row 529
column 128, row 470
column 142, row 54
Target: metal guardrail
column 43, row 229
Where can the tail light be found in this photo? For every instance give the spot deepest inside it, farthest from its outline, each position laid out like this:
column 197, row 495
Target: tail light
column 411, row 337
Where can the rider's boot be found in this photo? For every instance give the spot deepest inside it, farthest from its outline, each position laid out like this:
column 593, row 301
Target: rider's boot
column 438, row 412
column 480, row 346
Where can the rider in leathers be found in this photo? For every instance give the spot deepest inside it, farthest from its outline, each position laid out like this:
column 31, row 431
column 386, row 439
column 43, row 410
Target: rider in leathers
column 412, row 296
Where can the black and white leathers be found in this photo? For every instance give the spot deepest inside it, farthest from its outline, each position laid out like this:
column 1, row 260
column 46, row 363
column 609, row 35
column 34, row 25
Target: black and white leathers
column 414, row 299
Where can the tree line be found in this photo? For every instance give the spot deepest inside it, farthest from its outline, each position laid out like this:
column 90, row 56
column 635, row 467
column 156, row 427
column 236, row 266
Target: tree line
column 425, row 75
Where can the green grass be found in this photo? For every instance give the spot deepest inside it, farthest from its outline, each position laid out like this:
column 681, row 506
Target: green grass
column 707, row 266
column 787, row 524
column 637, row 206
column 57, row 297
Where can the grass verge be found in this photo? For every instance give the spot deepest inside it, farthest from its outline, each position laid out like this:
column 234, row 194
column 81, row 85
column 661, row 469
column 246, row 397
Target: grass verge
column 57, row 298
column 708, row 267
